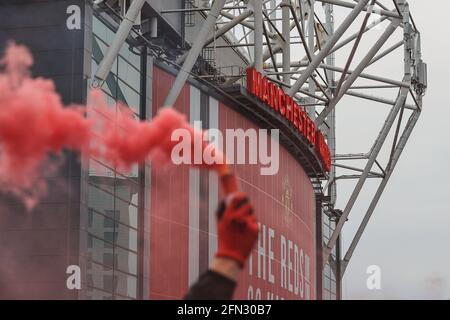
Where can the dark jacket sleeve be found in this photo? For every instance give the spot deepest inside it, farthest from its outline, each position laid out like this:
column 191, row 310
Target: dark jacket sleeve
column 211, row 286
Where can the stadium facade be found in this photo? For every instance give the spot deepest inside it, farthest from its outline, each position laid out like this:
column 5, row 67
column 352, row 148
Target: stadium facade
column 149, row 233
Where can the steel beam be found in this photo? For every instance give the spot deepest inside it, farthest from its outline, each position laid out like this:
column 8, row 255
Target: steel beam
column 377, row 99
column 258, row 35
column 362, row 179
column 343, row 43
column 230, row 16
column 311, row 110
column 309, row 56
column 397, row 153
column 356, row 169
column 350, row 156
column 230, row 25
column 331, row 137
column 286, row 30
column 353, row 177
column 119, row 39
column 387, row 51
column 322, row 54
column 359, row 69
column 221, row 31
column 354, row 48
column 198, row 9
column 362, row 75
column 349, row 5
column 194, row 52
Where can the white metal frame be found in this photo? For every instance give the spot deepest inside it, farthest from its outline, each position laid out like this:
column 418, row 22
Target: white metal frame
column 267, row 32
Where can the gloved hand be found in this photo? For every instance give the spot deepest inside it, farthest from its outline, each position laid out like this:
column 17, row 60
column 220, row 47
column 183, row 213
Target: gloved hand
column 237, row 228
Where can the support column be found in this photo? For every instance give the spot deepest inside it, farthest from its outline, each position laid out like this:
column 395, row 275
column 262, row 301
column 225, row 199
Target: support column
column 332, row 119
column 286, row 30
column 311, row 40
column 258, row 35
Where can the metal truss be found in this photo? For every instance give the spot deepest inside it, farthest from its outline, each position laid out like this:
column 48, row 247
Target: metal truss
column 297, row 43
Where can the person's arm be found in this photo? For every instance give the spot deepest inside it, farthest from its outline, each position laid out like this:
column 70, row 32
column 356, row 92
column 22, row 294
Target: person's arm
column 237, row 232
column 218, row 283
column 226, row 267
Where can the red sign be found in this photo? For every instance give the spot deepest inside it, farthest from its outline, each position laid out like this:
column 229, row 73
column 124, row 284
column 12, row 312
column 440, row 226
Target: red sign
column 277, row 99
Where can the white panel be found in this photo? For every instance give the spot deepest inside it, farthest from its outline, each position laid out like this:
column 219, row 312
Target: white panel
column 213, row 185
column 194, row 198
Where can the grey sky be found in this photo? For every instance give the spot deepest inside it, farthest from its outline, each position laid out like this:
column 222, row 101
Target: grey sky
column 409, row 233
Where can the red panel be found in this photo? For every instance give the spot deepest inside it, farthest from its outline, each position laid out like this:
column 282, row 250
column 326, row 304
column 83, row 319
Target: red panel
column 285, row 204
column 169, row 217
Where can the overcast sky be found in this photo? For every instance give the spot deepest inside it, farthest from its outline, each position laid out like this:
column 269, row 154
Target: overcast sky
column 409, row 234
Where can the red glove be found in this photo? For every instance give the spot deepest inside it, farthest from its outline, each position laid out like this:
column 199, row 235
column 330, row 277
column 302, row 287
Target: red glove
column 237, row 229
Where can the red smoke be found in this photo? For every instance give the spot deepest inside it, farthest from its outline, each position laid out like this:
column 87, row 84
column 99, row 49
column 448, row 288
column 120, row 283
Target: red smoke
column 125, row 141
column 34, row 123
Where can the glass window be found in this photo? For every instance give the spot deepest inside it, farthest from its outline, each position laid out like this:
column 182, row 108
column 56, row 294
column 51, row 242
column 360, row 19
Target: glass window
column 96, row 294
column 127, row 213
column 132, row 172
column 99, row 49
column 127, row 190
column 326, row 283
column 128, row 95
column 129, row 74
column 332, row 276
column 126, row 261
column 99, row 28
column 130, row 56
column 117, row 297
column 99, row 170
column 127, row 237
column 109, row 259
column 113, row 194
column 333, row 286
column 90, row 243
column 325, row 232
column 100, row 200
column 126, row 284
column 109, row 223
column 98, row 249
column 109, row 282
column 90, row 218
column 109, row 236
column 96, row 277
column 99, row 224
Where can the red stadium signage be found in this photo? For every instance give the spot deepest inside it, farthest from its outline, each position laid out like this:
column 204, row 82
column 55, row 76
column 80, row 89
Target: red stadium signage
column 277, row 99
